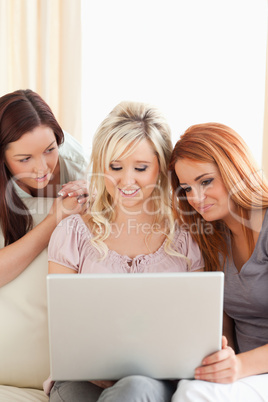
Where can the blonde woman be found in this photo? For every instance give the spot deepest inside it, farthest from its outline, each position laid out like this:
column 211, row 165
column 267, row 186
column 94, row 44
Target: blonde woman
column 221, row 196
column 129, row 228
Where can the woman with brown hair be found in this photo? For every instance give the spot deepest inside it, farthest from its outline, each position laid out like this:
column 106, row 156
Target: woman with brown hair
column 35, row 161
column 221, row 197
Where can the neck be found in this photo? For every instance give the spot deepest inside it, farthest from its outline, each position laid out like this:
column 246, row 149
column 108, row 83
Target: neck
column 254, row 222
column 138, row 217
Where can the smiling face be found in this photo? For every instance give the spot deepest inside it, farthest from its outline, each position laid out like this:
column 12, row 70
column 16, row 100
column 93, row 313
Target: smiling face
column 131, row 180
column 204, row 189
column 33, row 158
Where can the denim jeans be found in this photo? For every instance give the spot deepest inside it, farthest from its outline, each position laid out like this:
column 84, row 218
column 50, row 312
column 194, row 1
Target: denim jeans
column 128, row 389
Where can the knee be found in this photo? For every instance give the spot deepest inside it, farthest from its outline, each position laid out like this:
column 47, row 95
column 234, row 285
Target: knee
column 134, row 382
column 134, row 388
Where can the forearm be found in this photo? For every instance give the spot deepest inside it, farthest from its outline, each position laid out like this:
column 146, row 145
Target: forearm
column 17, row 256
column 253, row 362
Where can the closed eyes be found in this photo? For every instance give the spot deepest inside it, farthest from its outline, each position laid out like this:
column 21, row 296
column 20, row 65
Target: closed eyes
column 118, row 168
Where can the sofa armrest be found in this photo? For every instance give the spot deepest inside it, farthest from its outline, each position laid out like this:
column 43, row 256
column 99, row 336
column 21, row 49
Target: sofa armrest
column 24, row 347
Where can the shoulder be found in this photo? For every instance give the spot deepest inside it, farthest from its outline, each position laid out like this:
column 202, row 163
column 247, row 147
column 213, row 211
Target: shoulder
column 181, row 238
column 70, row 231
column 261, row 247
column 73, row 224
column 186, row 245
column 72, row 151
column 265, row 220
column 70, row 235
column 70, row 243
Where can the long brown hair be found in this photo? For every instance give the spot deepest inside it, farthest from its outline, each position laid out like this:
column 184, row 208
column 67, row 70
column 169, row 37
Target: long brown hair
column 243, row 179
column 20, row 112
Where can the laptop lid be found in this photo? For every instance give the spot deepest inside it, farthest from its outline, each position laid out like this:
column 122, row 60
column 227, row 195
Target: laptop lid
column 108, row 326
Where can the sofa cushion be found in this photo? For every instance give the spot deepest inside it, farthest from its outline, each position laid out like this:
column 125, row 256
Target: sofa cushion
column 13, row 394
column 24, row 348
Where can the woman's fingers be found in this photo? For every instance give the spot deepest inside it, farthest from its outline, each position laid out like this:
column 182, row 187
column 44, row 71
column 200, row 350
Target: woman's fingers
column 219, row 356
column 221, row 367
column 76, row 188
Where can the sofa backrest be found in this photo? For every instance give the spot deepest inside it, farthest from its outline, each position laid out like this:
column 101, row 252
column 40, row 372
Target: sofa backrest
column 24, row 349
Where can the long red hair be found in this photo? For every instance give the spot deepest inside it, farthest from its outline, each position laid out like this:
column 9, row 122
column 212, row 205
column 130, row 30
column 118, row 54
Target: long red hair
column 243, row 179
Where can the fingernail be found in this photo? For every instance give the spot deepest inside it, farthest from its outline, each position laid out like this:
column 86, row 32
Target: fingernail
column 70, row 194
column 61, row 193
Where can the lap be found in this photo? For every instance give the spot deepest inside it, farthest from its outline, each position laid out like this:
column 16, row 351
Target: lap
column 128, row 389
column 139, row 389
column 78, row 391
column 248, row 389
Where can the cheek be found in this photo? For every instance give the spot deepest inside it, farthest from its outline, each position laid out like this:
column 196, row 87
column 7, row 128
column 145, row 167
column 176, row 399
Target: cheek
column 152, row 177
column 190, row 200
column 222, row 193
column 52, row 160
column 16, row 168
column 109, row 182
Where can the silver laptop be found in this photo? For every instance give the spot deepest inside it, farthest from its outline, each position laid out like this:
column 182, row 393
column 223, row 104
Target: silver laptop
column 108, row 326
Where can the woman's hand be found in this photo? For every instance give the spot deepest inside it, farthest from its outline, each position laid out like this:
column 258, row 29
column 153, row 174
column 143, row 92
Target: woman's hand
column 63, row 207
column 78, row 189
column 221, row 367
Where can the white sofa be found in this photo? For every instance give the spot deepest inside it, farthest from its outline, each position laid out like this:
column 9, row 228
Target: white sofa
column 24, row 349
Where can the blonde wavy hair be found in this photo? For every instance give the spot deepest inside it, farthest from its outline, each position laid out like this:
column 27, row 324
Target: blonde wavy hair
column 242, row 177
column 119, row 134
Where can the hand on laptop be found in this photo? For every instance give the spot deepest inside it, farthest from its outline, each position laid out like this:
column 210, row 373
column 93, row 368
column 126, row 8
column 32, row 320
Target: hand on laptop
column 104, row 384
column 221, row 367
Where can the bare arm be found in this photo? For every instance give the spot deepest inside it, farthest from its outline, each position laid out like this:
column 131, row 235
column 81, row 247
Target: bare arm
column 15, row 257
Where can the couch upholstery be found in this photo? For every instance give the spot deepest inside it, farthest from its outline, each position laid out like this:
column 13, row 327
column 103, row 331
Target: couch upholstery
column 24, row 349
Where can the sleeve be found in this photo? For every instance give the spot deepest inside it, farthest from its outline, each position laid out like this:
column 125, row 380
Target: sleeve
column 63, row 247
column 194, row 254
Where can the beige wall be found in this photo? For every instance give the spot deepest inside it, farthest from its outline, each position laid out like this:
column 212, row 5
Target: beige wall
column 40, row 47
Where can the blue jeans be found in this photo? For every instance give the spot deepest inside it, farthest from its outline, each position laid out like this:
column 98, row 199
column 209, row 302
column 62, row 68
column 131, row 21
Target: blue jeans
column 129, row 389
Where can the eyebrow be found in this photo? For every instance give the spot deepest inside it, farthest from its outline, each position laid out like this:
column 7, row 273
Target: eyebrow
column 120, row 160
column 197, row 178
column 30, row 154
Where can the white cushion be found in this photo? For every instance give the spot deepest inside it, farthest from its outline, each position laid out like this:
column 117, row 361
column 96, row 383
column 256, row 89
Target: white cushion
column 24, row 349
column 13, row 394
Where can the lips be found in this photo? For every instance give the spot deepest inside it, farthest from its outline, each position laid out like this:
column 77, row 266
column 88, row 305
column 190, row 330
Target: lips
column 42, row 178
column 129, row 193
column 205, row 208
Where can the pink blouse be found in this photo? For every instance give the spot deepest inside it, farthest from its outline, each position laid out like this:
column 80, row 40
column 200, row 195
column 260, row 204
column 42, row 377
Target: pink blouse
column 70, row 246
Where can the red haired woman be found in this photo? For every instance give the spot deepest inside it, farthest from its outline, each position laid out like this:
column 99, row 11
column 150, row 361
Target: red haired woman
column 221, row 196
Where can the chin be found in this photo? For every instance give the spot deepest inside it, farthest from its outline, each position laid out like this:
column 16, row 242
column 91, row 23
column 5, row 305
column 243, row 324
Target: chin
column 39, row 186
column 209, row 217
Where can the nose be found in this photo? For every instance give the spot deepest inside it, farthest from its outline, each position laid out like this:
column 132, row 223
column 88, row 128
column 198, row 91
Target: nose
column 197, row 196
column 128, row 177
column 40, row 165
